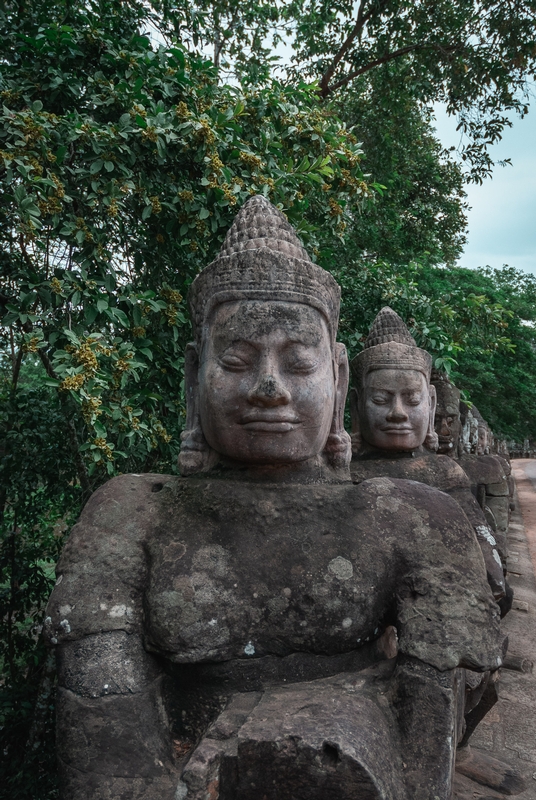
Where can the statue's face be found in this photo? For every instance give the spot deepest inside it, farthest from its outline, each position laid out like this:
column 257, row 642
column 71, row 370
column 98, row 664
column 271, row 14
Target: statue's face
column 482, row 443
column 448, row 426
column 266, row 382
column 394, row 409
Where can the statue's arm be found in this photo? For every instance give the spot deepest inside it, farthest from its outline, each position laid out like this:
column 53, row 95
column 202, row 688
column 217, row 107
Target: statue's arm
column 112, row 733
column 428, row 705
column 446, row 619
column 113, row 737
column 486, row 540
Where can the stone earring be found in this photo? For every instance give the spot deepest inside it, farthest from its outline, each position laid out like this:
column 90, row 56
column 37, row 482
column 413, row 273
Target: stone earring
column 431, row 440
column 195, row 454
column 356, row 438
column 338, row 448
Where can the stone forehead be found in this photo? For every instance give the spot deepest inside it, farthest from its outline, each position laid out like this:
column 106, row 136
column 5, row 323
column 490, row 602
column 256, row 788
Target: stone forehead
column 391, row 355
column 448, row 395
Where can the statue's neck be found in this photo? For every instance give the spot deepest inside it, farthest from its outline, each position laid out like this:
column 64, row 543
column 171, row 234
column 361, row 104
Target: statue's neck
column 313, row 470
column 367, row 451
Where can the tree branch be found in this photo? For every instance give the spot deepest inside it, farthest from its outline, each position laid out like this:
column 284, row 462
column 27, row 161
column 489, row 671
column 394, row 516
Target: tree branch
column 16, row 370
column 402, row 51
column 81, row 469
column 361, row 21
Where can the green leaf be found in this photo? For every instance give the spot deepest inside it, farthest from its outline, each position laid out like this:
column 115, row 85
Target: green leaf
column 121, row 316
column 96, row 166
column 102, row 304
column 90, row 314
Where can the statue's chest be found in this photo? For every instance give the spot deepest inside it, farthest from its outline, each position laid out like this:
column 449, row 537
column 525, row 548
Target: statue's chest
column 267, row 572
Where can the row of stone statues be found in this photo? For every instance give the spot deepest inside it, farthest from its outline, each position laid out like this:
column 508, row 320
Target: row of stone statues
column 302, row 615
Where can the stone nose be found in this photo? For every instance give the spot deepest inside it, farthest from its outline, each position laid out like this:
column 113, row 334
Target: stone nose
column 397, row 412
column 444, row 427
column 269, row 392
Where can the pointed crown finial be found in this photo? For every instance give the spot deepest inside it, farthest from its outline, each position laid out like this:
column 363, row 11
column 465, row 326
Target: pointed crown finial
column 390, row 345
column 263, row 259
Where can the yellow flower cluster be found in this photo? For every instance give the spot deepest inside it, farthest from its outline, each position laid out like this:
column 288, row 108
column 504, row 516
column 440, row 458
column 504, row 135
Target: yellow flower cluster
column 85, row 356
column 56, row 286
column 228, row 194
column 59, row 191
column 171, row 295
column 155, row 204
column 90, row 409
column 150, row 134
column 81, row 225
column 31, row 346
column 113, row 209
column 138, row 332
column 182, row 110
column 104, row 447
column 122, row 365
column 138, row 110
column 35, row 164
column 250, row 159
column 335, row 209
column 161, row 431
column 73, row 382
column 205, row 132
column 50, row 206
column 215, row 162
column 187, row 196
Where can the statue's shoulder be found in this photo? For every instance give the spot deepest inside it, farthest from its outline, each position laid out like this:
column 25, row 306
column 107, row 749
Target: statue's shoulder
column 440, row 472
column 449, row 475
column 102, row 569
column 405, row 497
column 487, row 469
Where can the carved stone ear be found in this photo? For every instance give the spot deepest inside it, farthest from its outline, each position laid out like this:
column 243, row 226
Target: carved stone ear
column 337, row 450
column 357, row 439
column 195, row 454
column 431, row 441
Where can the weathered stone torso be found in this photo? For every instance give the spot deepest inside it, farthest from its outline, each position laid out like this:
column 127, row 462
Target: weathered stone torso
column 213, row 570
column 275, row 570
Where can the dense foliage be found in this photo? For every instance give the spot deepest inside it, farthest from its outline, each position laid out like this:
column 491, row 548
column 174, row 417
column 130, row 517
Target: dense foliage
column 123, row 160
column 500, row 380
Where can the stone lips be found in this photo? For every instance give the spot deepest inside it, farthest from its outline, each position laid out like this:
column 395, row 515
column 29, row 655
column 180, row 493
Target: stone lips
column 390, row 345
column 262, row 259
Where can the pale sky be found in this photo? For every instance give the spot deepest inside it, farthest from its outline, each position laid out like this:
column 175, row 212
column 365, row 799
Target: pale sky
column 502, row 219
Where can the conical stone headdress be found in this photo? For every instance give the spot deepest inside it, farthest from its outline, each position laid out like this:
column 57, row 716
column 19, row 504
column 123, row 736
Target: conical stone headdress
column 262, row 259
column 390, row 345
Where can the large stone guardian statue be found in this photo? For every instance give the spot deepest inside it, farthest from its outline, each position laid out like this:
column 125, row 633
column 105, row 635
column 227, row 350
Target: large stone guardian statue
column 393, row 408
column 489, row 475
column 218, row 634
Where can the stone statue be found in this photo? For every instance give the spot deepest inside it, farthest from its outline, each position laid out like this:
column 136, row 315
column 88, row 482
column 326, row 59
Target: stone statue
column 448, row 424
column 488, row 474
column 469, row 434
column 393, row 406
column 221, row 634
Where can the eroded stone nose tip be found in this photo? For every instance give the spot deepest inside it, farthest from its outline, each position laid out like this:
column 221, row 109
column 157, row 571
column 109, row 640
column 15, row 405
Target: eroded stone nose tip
column 269, row 392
